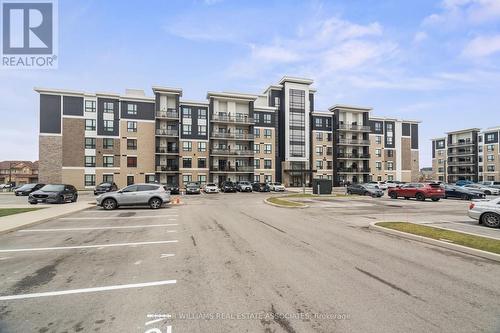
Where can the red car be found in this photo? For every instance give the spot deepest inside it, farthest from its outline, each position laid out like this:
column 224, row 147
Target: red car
column 418, row 191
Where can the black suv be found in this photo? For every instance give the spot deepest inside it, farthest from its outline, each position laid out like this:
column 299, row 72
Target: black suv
column 27, row 189
column 261, row 187
column 105, row 187
column 228, row 186
column 54, row 193
column 173, row 189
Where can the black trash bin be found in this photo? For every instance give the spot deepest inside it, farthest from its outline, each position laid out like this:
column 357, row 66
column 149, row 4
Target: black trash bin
column 322, row 186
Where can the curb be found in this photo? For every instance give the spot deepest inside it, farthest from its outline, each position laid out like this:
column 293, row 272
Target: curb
column 450, row 246
column 6, row 231
column 276, row 205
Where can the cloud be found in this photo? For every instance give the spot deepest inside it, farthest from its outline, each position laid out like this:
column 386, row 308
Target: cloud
column 482, row 46
column 459, row 13
column 420, row 36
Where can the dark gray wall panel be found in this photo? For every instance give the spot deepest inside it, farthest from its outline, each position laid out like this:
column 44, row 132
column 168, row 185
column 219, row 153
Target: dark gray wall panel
column 326, row 123
column 50, row 114
column 145, row 110
column 414, row 136
column 372, row 126
column 311, row 102
column 387, row 145
column 194, row 123
column 433, row 149
column 72, row 106
column 406, row 129
column 494, row 138
column 100, row 118
column 260, row 122
column 272, row 95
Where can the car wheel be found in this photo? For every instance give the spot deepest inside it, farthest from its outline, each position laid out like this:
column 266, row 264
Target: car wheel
column 109, row 204
column 61, row 199
column 420, row 197
column 435, row 199
column 32, row 202
column 75, row 198
column 487, row 192
column 349, row 192
column 155, row 203
column 393, row 195
column 491, row 220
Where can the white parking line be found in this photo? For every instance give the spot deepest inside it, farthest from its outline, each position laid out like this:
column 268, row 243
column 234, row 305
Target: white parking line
column 123, row 211
column 87, row 290
column 86, row 246
column 166, row 255
column 102, row 228
column 116, row 217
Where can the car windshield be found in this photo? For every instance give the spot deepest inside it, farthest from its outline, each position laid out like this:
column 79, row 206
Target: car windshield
column 105, row 185
column 27, row 186
column 371, row 186
column 52, row 188
column 212, row 185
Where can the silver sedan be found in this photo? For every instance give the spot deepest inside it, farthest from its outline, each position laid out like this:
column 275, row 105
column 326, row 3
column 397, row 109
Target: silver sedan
column 486, row 212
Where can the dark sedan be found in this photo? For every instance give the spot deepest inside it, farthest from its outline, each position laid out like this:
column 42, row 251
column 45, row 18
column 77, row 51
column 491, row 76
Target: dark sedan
column 54, row 193
column 193, row 188
column 27, row 189
column 228, row 186
column 261, row 187
column 453, row 191
column 105, row 187
column 365, row 189
column 173, row 189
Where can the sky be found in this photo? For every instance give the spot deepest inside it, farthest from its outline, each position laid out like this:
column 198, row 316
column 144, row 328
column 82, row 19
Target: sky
column 433, row 61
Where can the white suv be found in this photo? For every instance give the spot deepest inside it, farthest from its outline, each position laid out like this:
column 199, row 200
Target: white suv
column 277, row 187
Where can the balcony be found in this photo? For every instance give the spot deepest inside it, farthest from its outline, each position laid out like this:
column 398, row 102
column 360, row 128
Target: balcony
column 451, row 163
column 461, row 143
column 353, row 156
column 461, row 152
column 166, row 132
column 166, row 150
column 168, row 114
column 354, row 127
column 232, row 152
column 167, row 168
column 353, row 170
column 354, row 142
column 238, row 169
column 233, row 136
column 232, row 119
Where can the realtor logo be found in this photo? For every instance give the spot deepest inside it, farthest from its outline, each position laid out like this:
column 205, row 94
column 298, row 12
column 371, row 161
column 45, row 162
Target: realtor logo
column 29, row 34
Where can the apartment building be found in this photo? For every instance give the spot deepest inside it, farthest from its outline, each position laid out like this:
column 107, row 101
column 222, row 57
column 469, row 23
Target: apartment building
column 278, row 135
column 468, row 154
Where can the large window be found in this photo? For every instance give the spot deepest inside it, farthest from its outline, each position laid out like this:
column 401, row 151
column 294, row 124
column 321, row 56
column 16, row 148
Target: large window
column 90, row 124
column 297, row 99
column 268, row 164
column 202, row 129
column 390, row 153
column 390, row 165
column 90, row 161
column 267, row 133
column 297, row 123
column 187, row 146
column 108, row 107
column 202, row 162
column 319, row 164
column 108, row 161
column 107, row 179
column 256, row 148
column 107, row 143
column 202, row 146
column 297, row 150
column 318, row 122
column 202, row 114
column 186, row 112
column 202, row 179
column 131, row 161
column 132, row 109
column 132, row 144
column 131, row 126
column 89, row 143
column 187, row 162
column 267, row 118
column 108, row 125
column 319, row 136
column 89, row 106
column 378, row 127
column 186, row 129
column 186, row 178
column 319, row 150
column 89, row 180
column 256, row 132
column 268, row 148
column 378, row 139
column 256, row 163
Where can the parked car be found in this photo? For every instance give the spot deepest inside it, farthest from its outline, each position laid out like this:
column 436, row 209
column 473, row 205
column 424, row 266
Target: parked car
column 153, row 195
column 381, row 185
column 261, row 187
column 365, row 189
column 485, row 189
column 393, row 183
column 54, row 193
column 27, row 189
column 244, row 186
column 228, row 187
column 276, row 187
column 211, row 188
column 105, row 187
column 193, row 188
column 454, row 191
column 486, row 212
column 418, row 191
column 491, row 184
column 173, row 189
column 463, row 182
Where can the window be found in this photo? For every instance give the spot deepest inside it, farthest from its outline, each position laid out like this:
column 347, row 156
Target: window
column 90, row 124
column 329, row 165
column 319, row 150
column 490, row 137
column 89, row 106
column 202, row 162
column 329, row 136
column 188, row 145
column 267, row 118
column 186, row 129
column 130, row 181
column 132, row 161
column 202, row 179
column 131, row 126
column 89, row 143
column 390, row 165
column 186, row 113
column 256, row 132
column 107, row 179
column 490, row 168
column 490, row 147
column 108, row 125
column 378, row 127
column 108, row 107
column 202, row 146
column 267, row 148
column 132, row 144
column 256, row 178
column 329, row 151
column 319, row 164
column 390, row 178
column 267, row 133
column 378, row 152
column 89, row 180
column 256, row 117
column 440, row 161
column 276, row 101
column 389, row 127
column 491, row 158
column 202, row 129
column 268, row 178
column 390, row 153
column 268, row 164
column 256, row 163
column 389, row 140
column 107, row 143
column 319, row 136
column 202, row 114
column 108, row 161
column 90, row 161
column 378, row 139
column 378, row 165
column 440, row 169
column 187, row 162
column 440, row 144
column 186, row 178
column 479, row 149
column 318, row 122
column 150, row 179
column 132, row 109
column 256, row 148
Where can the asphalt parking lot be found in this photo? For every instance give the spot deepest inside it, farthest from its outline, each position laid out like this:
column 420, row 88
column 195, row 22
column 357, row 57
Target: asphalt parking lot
column 230, row 263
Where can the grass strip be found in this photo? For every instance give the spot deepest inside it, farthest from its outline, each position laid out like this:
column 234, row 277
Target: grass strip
column 455, row 237
column 285, row 203
column 12, row 211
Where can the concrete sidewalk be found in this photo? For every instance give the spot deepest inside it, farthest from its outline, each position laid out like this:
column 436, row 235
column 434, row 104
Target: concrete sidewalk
column 21, row 220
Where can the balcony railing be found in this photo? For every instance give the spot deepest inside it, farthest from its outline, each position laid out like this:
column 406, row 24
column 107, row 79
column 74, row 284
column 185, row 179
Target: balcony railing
column 450, row 163
column 167, row 132
column 166, row 150
column 232, row 119
column 354, row 127
column 354, row 142
column 232, row 169
column 353, row 156
column 168, row 114
column 238, row 152
column 236, row 136
column 461, row 152
column 461, row 143
column 166, row 168
column 353, row 170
